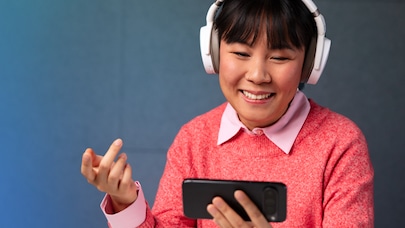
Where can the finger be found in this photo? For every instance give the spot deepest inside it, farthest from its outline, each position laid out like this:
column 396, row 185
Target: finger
column 96, row 159
column 87, row 165
column 217, row 216
column 108, row 160
column 127, row 186
column 232, row 219
column 251, row 209
column 116, row 172
column 127, row 182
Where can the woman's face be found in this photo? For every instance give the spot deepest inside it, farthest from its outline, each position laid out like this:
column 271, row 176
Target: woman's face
column 259, row 82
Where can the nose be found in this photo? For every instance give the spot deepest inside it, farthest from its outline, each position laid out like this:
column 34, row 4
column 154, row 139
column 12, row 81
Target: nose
column 258, row 72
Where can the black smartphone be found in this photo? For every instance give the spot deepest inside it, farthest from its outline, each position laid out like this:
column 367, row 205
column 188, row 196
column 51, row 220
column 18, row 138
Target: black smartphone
column 269, row 197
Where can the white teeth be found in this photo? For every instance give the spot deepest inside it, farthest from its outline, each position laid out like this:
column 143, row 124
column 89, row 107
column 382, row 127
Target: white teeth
column 256, row 97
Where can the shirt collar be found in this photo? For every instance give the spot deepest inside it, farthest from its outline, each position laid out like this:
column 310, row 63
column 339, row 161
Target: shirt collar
column 282, row 133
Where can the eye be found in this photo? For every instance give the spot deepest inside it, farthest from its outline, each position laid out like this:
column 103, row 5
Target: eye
column 279, row 58
column 241, row 54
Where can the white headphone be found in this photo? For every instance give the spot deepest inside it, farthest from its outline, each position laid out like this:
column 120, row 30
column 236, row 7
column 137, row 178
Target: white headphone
column 209, row 43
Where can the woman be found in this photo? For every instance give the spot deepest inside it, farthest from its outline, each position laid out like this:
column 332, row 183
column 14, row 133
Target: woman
column 266, row 131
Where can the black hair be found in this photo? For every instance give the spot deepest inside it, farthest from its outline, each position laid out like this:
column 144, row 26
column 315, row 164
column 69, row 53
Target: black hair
column 288, row 23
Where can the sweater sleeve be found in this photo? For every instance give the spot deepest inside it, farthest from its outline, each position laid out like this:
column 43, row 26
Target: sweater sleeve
column 348, row 188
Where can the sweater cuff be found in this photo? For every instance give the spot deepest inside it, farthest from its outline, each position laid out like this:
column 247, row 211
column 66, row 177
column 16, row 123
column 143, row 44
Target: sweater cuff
column 132, row 216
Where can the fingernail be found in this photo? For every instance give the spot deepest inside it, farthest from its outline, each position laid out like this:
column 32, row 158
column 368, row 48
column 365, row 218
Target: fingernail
column 118, row 142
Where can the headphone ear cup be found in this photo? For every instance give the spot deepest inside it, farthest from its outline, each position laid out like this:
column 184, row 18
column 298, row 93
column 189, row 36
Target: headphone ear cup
column 308, row 61
column 209, row 48
column 215, row 50
column 315, row 74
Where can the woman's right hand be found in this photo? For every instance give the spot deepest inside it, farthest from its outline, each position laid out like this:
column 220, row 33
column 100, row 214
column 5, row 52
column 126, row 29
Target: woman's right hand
column 109, row 176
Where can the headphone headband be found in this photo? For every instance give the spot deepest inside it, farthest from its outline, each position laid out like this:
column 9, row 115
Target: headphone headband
column 209, row 44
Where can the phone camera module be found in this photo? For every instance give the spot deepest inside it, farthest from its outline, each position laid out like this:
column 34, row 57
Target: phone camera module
column 270, row 202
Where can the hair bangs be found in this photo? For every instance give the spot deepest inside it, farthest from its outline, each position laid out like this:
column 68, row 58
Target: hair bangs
column 245, row 21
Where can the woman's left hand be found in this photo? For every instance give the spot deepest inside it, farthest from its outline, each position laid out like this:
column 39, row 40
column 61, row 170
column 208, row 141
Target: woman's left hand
column 225, row 216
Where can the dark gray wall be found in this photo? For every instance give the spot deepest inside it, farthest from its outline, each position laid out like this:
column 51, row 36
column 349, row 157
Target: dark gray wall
column 81, row 73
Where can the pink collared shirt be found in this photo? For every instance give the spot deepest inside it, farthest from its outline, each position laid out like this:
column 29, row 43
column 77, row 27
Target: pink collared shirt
column 282, row 133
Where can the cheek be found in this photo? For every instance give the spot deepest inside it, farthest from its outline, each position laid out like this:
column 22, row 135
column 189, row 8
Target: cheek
column 289, row 76
column 291, row 72
column 287, row 86
column 228, row 72
column 226, row 65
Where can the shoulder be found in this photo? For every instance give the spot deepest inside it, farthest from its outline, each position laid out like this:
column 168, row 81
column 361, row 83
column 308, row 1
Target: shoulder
column 334, row 139
column 325, row 128
column 320, row 116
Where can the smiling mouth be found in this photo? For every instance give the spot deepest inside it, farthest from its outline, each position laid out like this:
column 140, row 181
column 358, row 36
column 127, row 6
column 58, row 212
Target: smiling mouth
column 256, row 97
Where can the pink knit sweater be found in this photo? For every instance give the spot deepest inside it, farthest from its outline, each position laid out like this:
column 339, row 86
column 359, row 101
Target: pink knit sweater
column 328, row 172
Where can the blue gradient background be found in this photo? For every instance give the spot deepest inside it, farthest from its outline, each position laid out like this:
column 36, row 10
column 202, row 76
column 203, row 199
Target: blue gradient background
column 80, row 73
